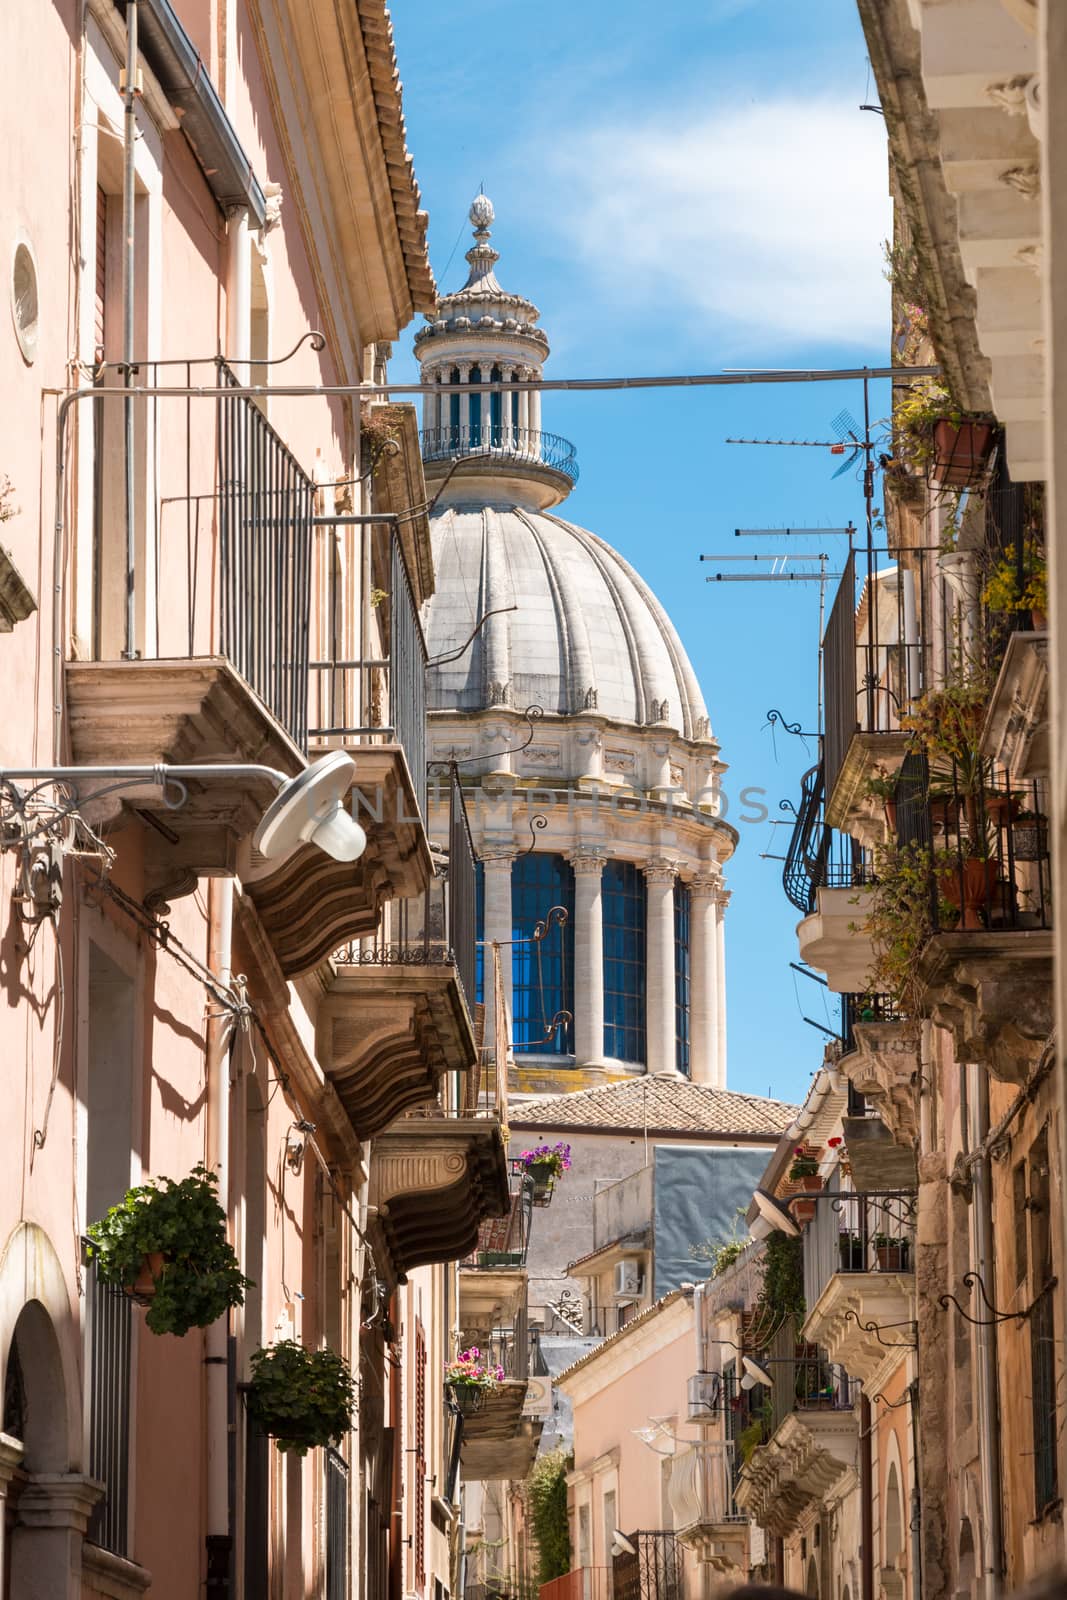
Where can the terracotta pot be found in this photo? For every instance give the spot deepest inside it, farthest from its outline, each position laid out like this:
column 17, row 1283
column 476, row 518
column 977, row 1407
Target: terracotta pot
column 979, row 884
column 960, row 452
column 891, row 816
column 892, row 1257
column 803, row 1210
column 1038, row 620
column 812, row 1184
column 144, row 1287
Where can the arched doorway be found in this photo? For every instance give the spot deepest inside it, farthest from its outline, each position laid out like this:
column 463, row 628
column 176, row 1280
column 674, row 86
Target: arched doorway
column 37, row 1557
column 893, row 1563
column 812, row 1585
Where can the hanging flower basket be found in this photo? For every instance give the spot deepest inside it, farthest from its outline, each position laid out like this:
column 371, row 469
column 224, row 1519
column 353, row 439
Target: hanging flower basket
column 165, row 1244
column 467, row 1397
column 470, row 1381
column 301, row 1398
column 544, row 1164
column 960, row 453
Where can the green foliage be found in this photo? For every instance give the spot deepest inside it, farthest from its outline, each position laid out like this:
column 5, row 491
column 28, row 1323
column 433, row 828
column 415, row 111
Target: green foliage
column 921, row 404
column 750, row 1439
column 781, row 1296
column 723, row 1251
column 546, row 1492
column 900, row 918
column 200, row 1277
column 1010, row 590
column 302, row 1398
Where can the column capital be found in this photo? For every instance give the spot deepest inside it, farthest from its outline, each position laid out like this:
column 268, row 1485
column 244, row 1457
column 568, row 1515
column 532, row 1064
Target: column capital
column 587, row 860
column 704, row 885
column 59, row 1500
column 498, row 855
column 658, row 869
column 724, row 897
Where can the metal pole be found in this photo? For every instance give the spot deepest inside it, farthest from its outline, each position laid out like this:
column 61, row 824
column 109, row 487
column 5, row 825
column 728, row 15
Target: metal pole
column 128, row 269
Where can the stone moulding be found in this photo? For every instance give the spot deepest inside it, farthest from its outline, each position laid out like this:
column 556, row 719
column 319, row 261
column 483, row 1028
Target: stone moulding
column 993, row 992
column 884, row 1069
column 803, row 1461
column 849, row 807
column 385, row 1035
column 1017, row 723
column 852, row 1300
column 433, row 1180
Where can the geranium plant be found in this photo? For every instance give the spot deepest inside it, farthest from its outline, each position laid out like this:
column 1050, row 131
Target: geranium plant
column 547, row 1160
column 302, row 1398
column 165, row 1242
column 469, row 1371
column 804, row 1164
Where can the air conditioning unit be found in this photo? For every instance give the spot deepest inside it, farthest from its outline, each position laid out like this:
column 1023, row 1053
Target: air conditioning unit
column 627, row 1280
column 704, row 1396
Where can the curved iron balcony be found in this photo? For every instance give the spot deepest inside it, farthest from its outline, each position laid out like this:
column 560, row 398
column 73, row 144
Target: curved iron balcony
column 499, row 440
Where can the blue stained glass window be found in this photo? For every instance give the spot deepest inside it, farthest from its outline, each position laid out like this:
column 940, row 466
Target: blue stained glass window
column 681, row 977
column 541, row 987
column 624, row 902
column 495, row 410
column 475, row 402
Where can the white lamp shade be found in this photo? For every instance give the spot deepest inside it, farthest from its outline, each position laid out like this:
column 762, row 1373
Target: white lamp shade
column 775, row 1214
column 310, row 809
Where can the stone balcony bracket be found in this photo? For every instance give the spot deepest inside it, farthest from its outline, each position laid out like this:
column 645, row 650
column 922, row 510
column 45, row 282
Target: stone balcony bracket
column 885, row 1068
column 802, row 1463
column 1016, row 733
column 490, row 1297
column 433, row 1180
column 993, row 992
column 831, row 939
column 498, row 1441
column 865, row 1322
column 849, row 807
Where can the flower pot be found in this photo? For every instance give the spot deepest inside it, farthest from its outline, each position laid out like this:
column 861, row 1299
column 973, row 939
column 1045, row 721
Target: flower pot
column 960, row 453
column 467, row 1397
column 811, row 1184
column 803, row 1210
column 1029, row 838
column 144, row 1285
column 979, row 881
column 892, row 1257
column 1038, row 620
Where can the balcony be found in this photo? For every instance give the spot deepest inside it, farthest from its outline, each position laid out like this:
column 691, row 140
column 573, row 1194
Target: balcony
column 811, row 1440
column 492, row 1279
column 880, row 1059
column 525, row 454
column 655, row 1572
column 499, row 1442
column 395, row 1016
column 583, row 1583
column 434, row 1179
column 824, row 877
column 859, row 1279
column 706, row 1518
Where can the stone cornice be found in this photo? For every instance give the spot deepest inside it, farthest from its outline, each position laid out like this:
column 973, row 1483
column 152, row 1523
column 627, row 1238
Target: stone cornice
column 863, row 1319
column 803, row 1462
column 993, row 991
column 884, row 1069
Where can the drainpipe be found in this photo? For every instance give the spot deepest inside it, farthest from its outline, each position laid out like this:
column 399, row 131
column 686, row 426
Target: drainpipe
column 866, row 1507
column 216, row 1353
column 129, row 265
column 239, row 296
column 988, row 1396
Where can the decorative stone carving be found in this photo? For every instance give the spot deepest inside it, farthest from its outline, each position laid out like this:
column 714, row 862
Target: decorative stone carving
column 884, row 1068
column 273, row 194
column 16, row 599
column 590, row 700
column 620, row 761
column 499, row 694
column 433, row 1182
column 543, row 755
column 803, row 1462
column 705, row 885
column 1016, row 733
column 993, row 991
column 864, row 1320
column 658, row 869
column 1025, row 179
column 588, row 860
column 1010, row 94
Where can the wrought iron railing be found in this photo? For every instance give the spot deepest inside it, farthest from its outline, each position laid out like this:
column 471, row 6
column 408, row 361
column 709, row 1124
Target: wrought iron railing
column 336, row 1525
column 818, row 857
column 504, row 1241
column 868, row 1007
column 266, row 503
column 371, row 698
column 702, row 1484
column 583, row 1583
column 655, row 1571
column 503, row 440
column 509, row 1347
column 858, row 1233
column 108, row 1323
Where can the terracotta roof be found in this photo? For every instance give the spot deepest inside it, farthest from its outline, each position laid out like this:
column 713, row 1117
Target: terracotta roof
column 663, row 1105
column 624, row 1332
column 377, row 29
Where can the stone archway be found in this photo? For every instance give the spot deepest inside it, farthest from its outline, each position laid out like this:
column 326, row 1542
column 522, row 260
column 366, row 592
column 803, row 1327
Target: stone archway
column 812, row 1585
column 46, row 1521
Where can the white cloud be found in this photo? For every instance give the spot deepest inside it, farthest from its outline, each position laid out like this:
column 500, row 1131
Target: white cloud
column 767, row 219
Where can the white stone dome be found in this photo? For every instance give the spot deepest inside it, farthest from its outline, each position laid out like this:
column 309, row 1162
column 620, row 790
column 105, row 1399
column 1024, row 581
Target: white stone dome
column 587, row 634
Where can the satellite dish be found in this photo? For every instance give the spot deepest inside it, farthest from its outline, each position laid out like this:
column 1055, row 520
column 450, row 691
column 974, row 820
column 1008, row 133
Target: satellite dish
column 621, row 1545
column 310, row 809
column 774, row 1213
column 756, row 1371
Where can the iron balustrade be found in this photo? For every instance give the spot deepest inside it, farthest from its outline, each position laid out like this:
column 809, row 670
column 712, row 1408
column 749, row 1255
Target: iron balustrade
column 370, row 697
column 861, row 1008
column 817, row 856
column 266, row 504
column 504, row 1241
column 503, row 441
column 654, row 1572
column 583, row 1583
column 509, row 1347
column 873, row 1232
column 704, row 1477
column 336, row 1525
column 108, row 1331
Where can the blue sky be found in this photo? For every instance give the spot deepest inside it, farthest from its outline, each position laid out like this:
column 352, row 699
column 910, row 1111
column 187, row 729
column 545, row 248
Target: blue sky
column 684, row 188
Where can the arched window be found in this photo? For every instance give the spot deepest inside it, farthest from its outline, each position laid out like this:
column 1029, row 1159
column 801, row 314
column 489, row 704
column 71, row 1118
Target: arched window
column 623, row 897
column 496, row 433
column 453, row 410
column 681, row 977
column 542, row 974
column 475, row 403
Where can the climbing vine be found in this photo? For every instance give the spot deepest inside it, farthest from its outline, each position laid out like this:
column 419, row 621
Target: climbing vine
column 546, row 1491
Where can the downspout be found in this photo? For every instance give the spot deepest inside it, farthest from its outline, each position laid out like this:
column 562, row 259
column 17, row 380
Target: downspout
column 219, row 1538
column 916, row 1500
column 129, row 266
column 988, row 1389
column 239, row 296
column 866, row 1507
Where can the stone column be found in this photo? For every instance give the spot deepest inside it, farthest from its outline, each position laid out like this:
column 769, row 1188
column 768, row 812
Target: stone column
column 722, row 901
column 535, row 407
column 588, row 957
column 10, row 1460
column 659, row 966
column 704, row 980
column 53, row 1515
column 497, row 928
column 505, row 409
column 464, row 370
column 523, row 374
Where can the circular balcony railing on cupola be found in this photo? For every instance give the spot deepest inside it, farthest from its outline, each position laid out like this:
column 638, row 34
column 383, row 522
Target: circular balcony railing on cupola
column 500, row 451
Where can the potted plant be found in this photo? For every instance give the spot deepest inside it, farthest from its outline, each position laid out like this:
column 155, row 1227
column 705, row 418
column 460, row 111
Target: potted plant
column 165, row 1244
column 891, row 1252
column 931, row 431
column 1019, row 583
column 805, row 1170
column 544, row 1164
column 470, row 1380
column 883, row 788
column 301, row 1398
column 853, row 1251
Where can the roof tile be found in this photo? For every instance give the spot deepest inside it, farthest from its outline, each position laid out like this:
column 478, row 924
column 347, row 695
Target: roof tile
column 663, row 1105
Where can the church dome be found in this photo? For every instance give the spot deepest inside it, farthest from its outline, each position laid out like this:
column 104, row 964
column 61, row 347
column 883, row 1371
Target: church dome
column 587, row 634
